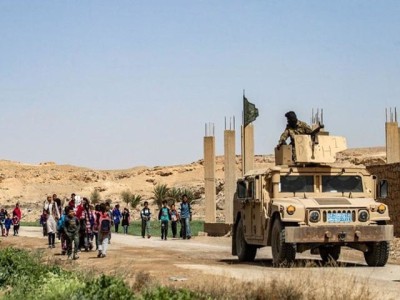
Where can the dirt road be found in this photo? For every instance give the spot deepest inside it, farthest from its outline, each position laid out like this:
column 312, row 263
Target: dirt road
column 207, row 257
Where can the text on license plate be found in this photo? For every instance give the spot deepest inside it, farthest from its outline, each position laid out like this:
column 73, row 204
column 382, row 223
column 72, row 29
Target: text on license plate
column 339, row 218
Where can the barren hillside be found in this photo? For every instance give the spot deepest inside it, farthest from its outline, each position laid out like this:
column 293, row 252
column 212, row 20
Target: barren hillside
column 30, row 184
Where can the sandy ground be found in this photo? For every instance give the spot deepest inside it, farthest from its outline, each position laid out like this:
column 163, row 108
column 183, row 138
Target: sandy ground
column 202, row 258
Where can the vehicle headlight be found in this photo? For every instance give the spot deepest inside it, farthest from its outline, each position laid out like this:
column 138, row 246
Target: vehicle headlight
column 381, row 208
column 314, row 216
column 290, row 209
column 363, row 216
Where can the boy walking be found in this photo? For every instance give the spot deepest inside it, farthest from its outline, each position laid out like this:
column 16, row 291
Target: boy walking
column 164, row 216
column 145, row 214
column 186, row 217
column 71, row 230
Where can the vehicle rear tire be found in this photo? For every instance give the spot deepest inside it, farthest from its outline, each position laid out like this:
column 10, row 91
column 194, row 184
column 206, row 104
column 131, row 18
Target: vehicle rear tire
column 282, row 253
column 377, row 254
column 329, row 253
column 245, row 251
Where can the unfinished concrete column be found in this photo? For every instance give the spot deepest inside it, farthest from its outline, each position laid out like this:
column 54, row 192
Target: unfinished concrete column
column 230, row 173
column 247, row 148
column 392, row 137
column 209, row 178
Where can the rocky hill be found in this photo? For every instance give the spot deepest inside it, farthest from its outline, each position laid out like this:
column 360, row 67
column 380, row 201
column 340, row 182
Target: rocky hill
column 30, row 184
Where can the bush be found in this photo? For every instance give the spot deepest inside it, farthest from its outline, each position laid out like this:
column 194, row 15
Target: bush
column 161, row 293
column 25, row 277
column 95, row 197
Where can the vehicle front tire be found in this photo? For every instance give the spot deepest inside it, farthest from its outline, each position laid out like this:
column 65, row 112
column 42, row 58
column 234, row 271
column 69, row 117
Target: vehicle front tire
column 377, row 254
column 329, row 253
column 245, row 251
column 282, row 253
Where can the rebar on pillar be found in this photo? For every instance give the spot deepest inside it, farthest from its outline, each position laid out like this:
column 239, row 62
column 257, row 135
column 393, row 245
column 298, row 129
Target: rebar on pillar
column 229, row 170
column 392, row 137
column 209, row 174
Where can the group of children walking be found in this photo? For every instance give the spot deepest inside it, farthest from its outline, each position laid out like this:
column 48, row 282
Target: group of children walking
column 79, row 225
column 6, row 221
column 167, row 215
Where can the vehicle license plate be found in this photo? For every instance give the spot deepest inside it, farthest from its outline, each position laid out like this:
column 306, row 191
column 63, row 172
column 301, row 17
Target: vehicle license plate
column 339, row 218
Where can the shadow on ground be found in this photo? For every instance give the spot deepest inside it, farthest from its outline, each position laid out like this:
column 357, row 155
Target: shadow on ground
column 298, row 263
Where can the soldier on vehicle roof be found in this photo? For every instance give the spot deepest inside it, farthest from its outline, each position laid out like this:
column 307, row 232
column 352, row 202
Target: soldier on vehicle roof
column 293, row 127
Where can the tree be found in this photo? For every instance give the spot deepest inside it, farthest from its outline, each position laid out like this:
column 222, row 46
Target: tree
column 95, row 196
column 135, row 200
column 174, row 194
column 160, row 194
column 126, row 197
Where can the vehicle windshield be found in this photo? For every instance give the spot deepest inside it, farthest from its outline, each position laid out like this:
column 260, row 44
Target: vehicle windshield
column 292, row 184
column 342, row 184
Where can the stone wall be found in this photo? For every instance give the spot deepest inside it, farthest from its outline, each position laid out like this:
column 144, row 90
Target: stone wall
column 391, row 173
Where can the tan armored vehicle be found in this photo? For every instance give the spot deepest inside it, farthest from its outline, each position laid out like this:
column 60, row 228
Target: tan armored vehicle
column 310, row 204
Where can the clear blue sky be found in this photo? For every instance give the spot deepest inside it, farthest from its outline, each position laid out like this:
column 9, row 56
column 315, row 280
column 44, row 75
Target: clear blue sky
column 117, row 84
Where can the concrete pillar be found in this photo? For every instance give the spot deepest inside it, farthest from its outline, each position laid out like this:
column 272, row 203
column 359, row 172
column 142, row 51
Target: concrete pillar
column 392, row 142
column 247, row 148
column 230, row 173
column 209, row 178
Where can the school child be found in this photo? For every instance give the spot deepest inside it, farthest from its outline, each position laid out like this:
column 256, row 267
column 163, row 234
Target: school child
column 92, row 217
column 7, row 224
column 116, row 213
column 186, row 217
column 104, row 231
column 125, row 220
column 43, row 222
column 61, row 233
column 174, row 220
column 164, row 216
column 71, row 230
column 15, row 225
column 3, row 216
column 145, row 214
column 86, row 227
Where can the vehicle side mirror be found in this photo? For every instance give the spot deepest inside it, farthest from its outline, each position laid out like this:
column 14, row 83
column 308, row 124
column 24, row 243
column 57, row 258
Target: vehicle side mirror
column 383, row 188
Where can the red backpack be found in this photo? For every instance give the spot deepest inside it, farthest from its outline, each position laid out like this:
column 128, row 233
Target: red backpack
column 105, row 224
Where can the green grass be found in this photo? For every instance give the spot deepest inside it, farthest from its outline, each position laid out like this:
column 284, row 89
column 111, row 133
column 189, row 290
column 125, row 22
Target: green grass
column 135, row 228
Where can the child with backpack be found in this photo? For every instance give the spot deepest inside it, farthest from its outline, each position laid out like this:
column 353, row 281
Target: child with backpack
column 164, row 216
column 61, row 233
column 71, row 230
column 15, row 225
column 145, row 214
column 7, row 224
column 3, row 216
column 104, row 231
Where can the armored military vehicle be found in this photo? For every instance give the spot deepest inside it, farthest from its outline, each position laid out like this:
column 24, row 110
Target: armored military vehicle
column 310, row 203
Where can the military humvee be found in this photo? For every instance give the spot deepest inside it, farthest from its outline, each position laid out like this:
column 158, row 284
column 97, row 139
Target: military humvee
column 310, row 204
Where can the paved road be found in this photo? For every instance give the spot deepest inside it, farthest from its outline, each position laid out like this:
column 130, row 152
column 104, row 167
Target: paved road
column 217, row 260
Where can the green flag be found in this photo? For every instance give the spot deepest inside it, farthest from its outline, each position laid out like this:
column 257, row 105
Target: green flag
column 250, row 112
